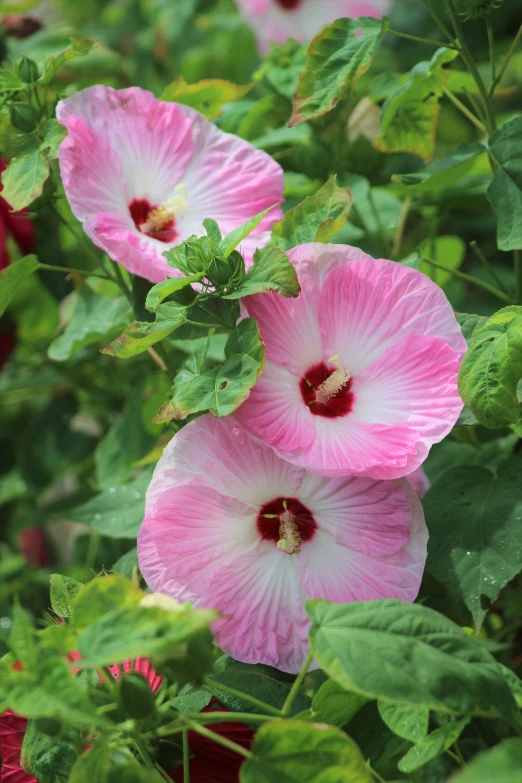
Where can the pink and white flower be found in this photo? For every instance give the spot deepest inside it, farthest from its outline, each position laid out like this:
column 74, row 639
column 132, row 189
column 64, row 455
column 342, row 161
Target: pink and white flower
column 142, row 175
column 361, row 371
column 231, row 526
column 274, row 21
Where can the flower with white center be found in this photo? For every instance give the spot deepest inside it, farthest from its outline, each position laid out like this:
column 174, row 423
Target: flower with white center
column 361, row 371
column 142, row 175
column 274, row 21
column 231, row 526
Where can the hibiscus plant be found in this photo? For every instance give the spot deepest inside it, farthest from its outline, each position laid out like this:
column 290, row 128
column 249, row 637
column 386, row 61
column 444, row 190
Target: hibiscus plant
column 260, row 386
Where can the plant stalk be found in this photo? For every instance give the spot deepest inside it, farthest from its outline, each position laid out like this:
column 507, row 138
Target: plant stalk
column 289, row 701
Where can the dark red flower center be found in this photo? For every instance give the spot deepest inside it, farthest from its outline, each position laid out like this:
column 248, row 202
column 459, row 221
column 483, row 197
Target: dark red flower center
column 338, row 404
column 141, row 211
column 286, row 520
column 290, row 5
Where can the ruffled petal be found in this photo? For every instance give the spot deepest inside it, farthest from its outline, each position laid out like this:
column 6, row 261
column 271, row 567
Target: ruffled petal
column 276, row 412
column 368, row 306
column 339, row 564
column 232, row 463
column 419, row 482
column 413, row 384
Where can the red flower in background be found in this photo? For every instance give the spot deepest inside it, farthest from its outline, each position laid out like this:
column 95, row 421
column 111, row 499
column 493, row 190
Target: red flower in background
column 12, row 730
column 18, row 225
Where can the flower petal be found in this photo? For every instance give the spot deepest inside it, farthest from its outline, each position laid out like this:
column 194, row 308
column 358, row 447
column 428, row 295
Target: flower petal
column 235, row 464
column 368, row 306
column 276, row 412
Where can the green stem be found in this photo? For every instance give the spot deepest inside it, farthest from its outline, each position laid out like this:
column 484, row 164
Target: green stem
column 380, row 228
column 438, row 21
column 165, row 775
column 69, row 271
column 518, row 275
column 397, row 242
column 459, row 754
column 491, row 44
column 243, row 697
column 289, row 701
column 211, row 717
column 186, row 757
column 163, row 356
column 438, row 44
column 218, row 739
column 122, row 284
column 376, row 775
column 453, row 756
column 466, row 55
column 464, row 109
column 144, row 753
column 80, row 238
column 470, row 279
column 487, row 265
column 507, row 58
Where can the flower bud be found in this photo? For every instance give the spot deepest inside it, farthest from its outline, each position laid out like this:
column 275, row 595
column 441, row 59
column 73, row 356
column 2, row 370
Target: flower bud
column 225, row 271
column 24, row 117
column 475, row 9
column 28, row 70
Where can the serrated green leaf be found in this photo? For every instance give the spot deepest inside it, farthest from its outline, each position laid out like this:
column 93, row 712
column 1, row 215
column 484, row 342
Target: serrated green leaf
column 139, row 336
column 221, row 389
column 12, row 278
column 95, row 318
column 235, row 237
column 102, row 595
column 335, row 60
column 24, row 178
column 459, row 676
column 410, row 114
column 469, row 323
column 501, row 764
column 161, row 291
column 492, row 368
column 207, row 96
column 50, row 760
column 297, row 752
column 475, row 545
column 432, row 745
column 105, row 764
column 335, row 705
column 79, row 47
column 444, row 172
column 271, row 271
column 316, row 219
column 410, row 723
column 505, row 192
column 63, row 591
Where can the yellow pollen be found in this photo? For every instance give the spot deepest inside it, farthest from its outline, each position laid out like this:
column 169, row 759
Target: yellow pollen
column 289, row 536
column 332, row 385
column 158, row 218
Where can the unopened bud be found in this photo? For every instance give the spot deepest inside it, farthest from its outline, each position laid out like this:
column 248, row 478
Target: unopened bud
column 24, row 117
column 28, row 70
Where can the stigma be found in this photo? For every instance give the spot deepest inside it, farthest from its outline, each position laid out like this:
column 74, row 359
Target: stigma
column 160, row 217
column 289, row 536
column 334, row 383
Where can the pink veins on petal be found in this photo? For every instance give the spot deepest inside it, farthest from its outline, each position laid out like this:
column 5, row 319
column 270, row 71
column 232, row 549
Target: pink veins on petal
column 231, row 526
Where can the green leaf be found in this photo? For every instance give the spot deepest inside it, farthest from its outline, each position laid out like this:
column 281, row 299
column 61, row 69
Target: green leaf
column 334, row 705
column 63, row 590
column 207, row 96
column 458, row 676
column 257, row 681
column 492, row 368
column 12, row 277
column 432, row 745
column 235, row 237
column 95, row 318
column 410, row 114
column 443, row 173
column 79, row 47
column 162, row 290
column 105, row 764
column 475, row 545
column 22, row 639
column 126, row 564
column 505, row 192
column 136, row 631
column 446, row 250
column 271, row 271
column 297, row 752
column 100, row 596
column 124, row 445
column 24, row 178
column 335, row 60
column 139, row 336
column 410, row 723
column 54, row 134
column 501, row 764
column 118, row 513
column 469, row 323
column 316, row 219
column 48, row 759
column 222, row 389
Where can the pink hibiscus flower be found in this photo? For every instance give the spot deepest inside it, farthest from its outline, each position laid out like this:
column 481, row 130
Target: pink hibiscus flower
column 142, row 175
column 230, row 525
column 274, row 21
column 361, row 372
column 419, row 481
